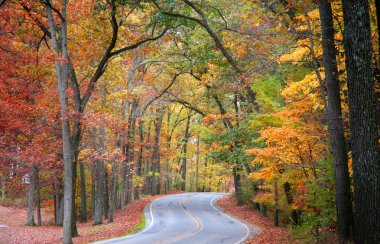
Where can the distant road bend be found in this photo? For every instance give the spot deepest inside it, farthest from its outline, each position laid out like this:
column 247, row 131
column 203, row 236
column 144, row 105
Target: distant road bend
column 187, row 218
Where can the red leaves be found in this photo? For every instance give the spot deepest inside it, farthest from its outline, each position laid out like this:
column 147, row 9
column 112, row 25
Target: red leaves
column 268, row 233
column 17, row 232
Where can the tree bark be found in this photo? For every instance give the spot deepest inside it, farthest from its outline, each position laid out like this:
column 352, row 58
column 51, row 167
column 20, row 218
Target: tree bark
column 99, row 181
column 363, row 125
column 61, row 74
column 106, row 193
column 335, row 126
column 32, row 187
column 38, row 198
column 140, row 155
column 93, row 187
column 83, row 210
column 156, row 151
column 237, row 183
column 147, row 189
column 113, row 198
column 276, row 210
column 122, row 186
column 184, row 156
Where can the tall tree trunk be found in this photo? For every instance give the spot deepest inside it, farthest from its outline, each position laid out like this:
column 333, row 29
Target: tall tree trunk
column 237, row 183
column 74, row 229
column 335, row 125
column 276, row 210
column 122, row 186
column 140, row 155
column 184, row 157
column 106, row 194
column 363, row 124
column 99, row 192
column 113, row 198
column 197, row 166
column 83, row 209
column 32, row 187
column 147, row 160
column 93, row 187
column 99, row 181
column 156, row 151
column 61, row 73
column 58, row 200
column 38, row 198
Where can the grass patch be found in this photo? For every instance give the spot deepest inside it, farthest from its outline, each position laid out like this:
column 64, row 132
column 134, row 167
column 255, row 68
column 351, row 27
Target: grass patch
column 139, row 226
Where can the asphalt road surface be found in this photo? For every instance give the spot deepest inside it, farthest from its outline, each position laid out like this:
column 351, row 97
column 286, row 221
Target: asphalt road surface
column 187, row 218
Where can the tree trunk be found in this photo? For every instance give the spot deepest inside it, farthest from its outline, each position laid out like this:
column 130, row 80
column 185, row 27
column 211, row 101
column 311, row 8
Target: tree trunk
column 83, row 210
column 276, row 210
column 99, row 192
column 335, row 125
column 32, row 187
column 113, row 198
column 93, row 187
column 38, row 198
column 363, row 124
column 74, row 229
column 61, row 74
column 140, row 155
column 60, row 212
column 156, row 151
column 236, row 174
column 106, row 194
column 58, row 200
column 122, row 187
column 184, row 157
column 197, row 167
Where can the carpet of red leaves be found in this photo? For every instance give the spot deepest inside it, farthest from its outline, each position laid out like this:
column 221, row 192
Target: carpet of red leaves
column 267, row 232
column 14, row 231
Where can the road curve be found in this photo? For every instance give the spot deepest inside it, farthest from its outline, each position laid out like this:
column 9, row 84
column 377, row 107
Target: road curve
column 187, row 218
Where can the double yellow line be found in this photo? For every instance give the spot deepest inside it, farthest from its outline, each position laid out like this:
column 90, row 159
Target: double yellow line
column 197, row 221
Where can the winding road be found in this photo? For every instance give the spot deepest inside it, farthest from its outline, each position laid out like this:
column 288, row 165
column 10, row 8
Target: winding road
column 187, row 218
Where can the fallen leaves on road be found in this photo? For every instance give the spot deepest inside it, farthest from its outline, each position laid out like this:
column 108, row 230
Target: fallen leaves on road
column 268, row 232
column 16, row 232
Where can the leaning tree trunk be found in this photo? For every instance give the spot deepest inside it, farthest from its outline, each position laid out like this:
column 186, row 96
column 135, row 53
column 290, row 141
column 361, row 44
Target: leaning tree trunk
column 363, row 125
column 32, row 187
column 335, row 125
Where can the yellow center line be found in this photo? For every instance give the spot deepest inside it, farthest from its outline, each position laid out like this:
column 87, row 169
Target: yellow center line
column 198, row 226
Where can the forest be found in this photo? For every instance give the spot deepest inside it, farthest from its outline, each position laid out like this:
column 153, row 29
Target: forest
column 106, row 102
